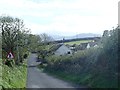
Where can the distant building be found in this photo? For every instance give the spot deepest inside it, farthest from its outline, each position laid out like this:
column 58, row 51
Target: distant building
column 61, row 49
column 83, row 46
column 92, row 44
column 87, row 45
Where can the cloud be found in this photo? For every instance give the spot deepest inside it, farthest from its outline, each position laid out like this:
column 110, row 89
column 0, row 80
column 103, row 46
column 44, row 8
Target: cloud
column 63, row 16
column 73, row 24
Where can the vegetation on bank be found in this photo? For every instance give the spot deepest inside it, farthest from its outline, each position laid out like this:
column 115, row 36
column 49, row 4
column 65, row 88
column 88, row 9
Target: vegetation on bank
column 14, row 77
column 95, row 67
column 14, row 39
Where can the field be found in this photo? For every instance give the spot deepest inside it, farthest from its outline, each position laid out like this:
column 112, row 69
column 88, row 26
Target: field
column 77, row 42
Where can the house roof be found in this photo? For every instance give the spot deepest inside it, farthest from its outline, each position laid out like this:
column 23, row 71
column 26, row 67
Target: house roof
column 83, row 45
column 92, row 44
column 55, row 47
column 68, row 45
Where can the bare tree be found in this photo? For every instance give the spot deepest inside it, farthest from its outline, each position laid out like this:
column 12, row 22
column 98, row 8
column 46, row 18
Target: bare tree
column 46, row 38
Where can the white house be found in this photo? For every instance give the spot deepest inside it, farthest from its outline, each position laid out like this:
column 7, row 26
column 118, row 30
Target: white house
column 63, row 50
column 88, row 45
column 91, row 44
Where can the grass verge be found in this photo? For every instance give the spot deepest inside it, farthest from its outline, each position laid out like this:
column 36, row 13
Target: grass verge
column 14, row 77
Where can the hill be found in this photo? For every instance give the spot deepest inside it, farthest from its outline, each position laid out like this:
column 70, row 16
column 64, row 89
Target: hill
column 82, row 35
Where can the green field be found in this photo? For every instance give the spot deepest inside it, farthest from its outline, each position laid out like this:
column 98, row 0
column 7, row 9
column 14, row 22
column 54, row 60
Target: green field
column 77, row 42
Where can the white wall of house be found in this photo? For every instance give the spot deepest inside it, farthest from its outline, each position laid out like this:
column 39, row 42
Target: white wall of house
column 71, row 48
column 88, row 45
column 63, row 50
column 96, row 45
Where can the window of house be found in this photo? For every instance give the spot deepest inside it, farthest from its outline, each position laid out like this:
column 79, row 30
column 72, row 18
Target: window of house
column 68, row 52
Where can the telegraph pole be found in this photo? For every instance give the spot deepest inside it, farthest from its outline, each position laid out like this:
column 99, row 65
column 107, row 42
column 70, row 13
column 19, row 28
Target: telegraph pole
column 17, row 43
column 17, row 49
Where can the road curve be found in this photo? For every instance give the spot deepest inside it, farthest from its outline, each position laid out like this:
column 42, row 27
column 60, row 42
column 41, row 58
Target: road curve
column 38, row 79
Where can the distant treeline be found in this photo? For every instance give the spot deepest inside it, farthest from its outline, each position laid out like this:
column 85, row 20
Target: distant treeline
column 78, row 39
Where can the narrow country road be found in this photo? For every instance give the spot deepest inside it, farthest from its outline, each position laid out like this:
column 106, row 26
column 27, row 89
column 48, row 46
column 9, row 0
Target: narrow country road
column 38, row 79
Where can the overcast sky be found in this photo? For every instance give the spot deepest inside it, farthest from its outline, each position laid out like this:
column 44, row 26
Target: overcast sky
column 63, row 17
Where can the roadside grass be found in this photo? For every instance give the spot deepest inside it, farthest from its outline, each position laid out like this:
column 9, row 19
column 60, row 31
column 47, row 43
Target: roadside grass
column 14, row 77
column 77, row 42
column 71, row 78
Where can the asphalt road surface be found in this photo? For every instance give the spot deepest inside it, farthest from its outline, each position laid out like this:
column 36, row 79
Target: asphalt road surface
column 37, row 79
